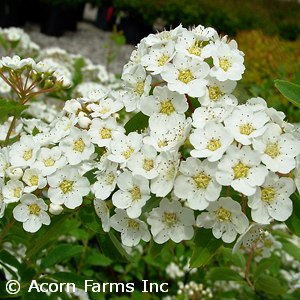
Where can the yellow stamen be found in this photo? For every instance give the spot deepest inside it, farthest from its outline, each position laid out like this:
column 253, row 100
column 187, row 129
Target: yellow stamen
column 240, row 170
column 66, row 186
column 34, row 180
column 79, row 145
column 268, row 194
column 34, row 209
column 201, row 181
column 105, row 133
column 246, row 129
column 223, row 214
column 133, row 224
column 214, row 93
column 224, row 64
column 272, row 150
column 170, row 219
column 27, row 154
column 49, row 162
column 162, row 60
column 185, row 76
column 140, row 87
column 167, row 107
column 136, row 193
column 148, row 164
column 127, row 153
column 213, row 144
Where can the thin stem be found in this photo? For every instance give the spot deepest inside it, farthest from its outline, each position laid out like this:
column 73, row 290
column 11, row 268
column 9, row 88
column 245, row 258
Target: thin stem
column 191, row 107
column 248, row 268
column 10, row 129
column 243, row 204
column 9, row 83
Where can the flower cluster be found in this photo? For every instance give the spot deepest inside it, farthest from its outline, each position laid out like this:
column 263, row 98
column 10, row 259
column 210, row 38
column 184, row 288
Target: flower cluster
column 202, row 159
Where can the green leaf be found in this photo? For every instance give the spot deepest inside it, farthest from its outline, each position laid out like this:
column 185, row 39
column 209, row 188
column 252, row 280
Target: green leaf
column 293, row 222
column 10, row 260
column 205, row 247
column 291, row 249
column 90, row 220
column 137, row 123
column 67, row 277
column 289, row 90
column 97, row 259
column 77, row 77
column 10, row 108
column 60, row 253
column 223, row 273
column 269, row 285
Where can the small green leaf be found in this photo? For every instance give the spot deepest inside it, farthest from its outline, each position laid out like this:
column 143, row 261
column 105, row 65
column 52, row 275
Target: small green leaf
column 223, row 273
column 90, row 220
column 269, row 285
column 293, row 222
column 97, row 259
column 206, row 245
column 10, row 108
column 10, row 260
column 67, row 277
column 289, row 90
column 291, row 249
column 60, row 253
column 137, row 123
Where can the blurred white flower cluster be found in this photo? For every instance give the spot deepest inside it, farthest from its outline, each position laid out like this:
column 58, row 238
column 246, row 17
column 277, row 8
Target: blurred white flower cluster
column 202, row 159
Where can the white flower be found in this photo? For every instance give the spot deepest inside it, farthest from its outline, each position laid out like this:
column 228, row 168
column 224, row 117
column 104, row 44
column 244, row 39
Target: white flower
column 218, row 93
column 132, row 230
column 297, row 173
column 227, row 59
column 171, row 221
column 12, row 190
column 77, row 146
column 34, row 180
column 164, row 139
column 67, row 187
column 14, row 172
column 55, row 209
column 197, row 183
column 106, row 181
column 62, row 127
column 102, row 212
column 242, row 169
column 185, row 75
column 244, row 124
column 4, row 161
column 157, row 58
column 278, row 150
column 165, row 108
column 2, row 203
column 167, row 170
column 203, row 114
column 122, row 146
column 133, row 194
column 32, row 212
column 271, row 200
column 211, row 141
column 23, row 153
column 105, row 108
column 138, row 85
column 49, row 160
column 101, row 131
column 249, row 238
column 225, row 218
column 144, row 163
column 192, row 45
column 16, row 62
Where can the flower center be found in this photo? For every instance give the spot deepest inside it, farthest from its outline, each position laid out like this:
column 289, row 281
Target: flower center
column 34, row 209
column 196, row 48
column 171, row 172
column 104, row 110
column 272, row 150
column 268, row 194
column 17, row 192
column 49, row 162
column 136, row 193
column 170, row 219
column 127, row 153
column 162, row 143
column 223, row 214
column 201, row 181
column 34, row 180
column 27, row 154
column 66, row 186
column 240, row 170
column 213, row 144
column 246, row 129
column 105, row 133
column 167, row 108
column 224, row 64
column 110, row 178
column 185, row 76
column 79, row 145
column 148, row 164
column 133, row 224
column 162, row 60
column 214, row 93
column 139, row 89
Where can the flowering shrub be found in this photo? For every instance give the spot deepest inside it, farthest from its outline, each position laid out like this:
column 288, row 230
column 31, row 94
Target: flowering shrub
column 168, row 153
